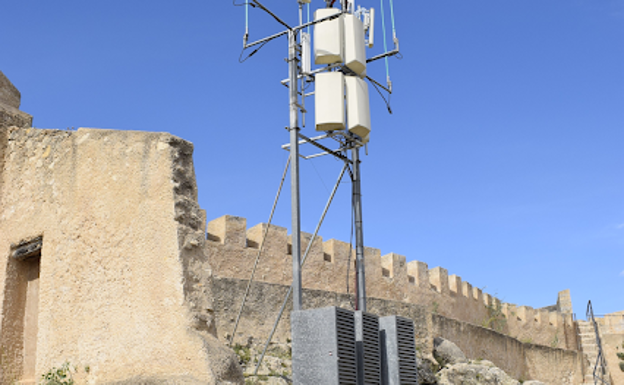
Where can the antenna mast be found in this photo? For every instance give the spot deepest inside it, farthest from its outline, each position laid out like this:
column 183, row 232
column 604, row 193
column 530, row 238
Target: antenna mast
column 342, row 69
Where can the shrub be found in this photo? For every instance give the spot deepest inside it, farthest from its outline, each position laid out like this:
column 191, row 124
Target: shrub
column 58, row 376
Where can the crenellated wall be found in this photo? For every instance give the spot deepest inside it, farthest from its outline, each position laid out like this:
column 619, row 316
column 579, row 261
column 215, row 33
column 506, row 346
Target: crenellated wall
column 232, row 250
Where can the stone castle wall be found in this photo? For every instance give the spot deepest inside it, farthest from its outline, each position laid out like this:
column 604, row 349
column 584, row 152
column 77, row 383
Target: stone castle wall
column 232, row 249
column 522, row 360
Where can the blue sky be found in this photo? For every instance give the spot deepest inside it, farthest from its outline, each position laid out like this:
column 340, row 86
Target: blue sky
column 502, row 161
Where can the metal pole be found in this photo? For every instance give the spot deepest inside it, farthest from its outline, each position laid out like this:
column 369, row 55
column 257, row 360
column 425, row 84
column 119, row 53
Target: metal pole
column 359, row 232
column 294, row 170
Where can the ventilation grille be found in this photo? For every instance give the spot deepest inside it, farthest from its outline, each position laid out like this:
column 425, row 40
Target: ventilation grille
column 372, row 355
column 408, row 368
column 347, row 363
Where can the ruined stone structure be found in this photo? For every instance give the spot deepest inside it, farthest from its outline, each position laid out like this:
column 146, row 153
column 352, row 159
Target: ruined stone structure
column 101, row 255
column 106, row 262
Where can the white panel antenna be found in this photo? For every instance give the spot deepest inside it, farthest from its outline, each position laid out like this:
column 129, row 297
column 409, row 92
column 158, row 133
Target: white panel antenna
column 354, row 46
column 358, row 108
column 328, row 37
column 329, row 93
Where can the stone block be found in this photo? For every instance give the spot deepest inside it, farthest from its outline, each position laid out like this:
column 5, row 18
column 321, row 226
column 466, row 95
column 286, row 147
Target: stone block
column 438, row 276
column 9, row 94
column 420, row 272
column 455, row 284
column 228, row 230
column 467, row 290
column 275, row 241
column 477, row 294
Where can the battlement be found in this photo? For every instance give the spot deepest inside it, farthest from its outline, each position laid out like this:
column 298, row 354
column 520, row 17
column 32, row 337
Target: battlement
column 232, row 249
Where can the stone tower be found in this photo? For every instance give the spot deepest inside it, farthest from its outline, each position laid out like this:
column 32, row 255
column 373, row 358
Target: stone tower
column 102, row 261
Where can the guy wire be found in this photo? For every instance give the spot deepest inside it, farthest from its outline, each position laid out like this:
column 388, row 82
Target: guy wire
column 253, row 271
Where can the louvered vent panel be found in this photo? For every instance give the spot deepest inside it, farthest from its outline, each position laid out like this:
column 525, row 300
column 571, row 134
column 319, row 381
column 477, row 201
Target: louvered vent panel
column 398, row 348
column 371, row 355
column 347, row 363
column 408, row 367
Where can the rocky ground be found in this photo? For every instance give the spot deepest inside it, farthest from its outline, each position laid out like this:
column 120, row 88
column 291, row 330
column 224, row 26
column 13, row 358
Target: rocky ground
column 446, row 366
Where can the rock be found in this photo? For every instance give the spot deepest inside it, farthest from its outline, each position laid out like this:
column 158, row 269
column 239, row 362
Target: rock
column 446, row 352
column 532, row 382
column 426, row 375
column 474, row 373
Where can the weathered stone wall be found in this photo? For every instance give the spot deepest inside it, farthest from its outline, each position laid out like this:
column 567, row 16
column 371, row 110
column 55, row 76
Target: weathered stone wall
column 123, row 278
column 521, row 360
column 3, row 145
column 611, row 328
column 10, row 99
column 232, row 250
column 265, row 301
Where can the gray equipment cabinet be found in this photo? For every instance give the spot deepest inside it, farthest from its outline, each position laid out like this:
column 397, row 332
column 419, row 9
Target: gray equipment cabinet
column 323, row 347
column 398, row 351
column 368, row 348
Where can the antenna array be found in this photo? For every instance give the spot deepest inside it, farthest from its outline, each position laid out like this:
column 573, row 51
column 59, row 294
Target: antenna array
column 342, row 113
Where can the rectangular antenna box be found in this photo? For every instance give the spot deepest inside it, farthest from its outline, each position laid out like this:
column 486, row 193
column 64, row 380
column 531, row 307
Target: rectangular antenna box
column 358, row 106
column 329, row 111
column 323, row 347
column 355, row 44
column 328, row 37
column 368, row 348
column 398, row 351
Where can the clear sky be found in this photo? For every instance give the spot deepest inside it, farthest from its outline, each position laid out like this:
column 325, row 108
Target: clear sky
column 503, row 160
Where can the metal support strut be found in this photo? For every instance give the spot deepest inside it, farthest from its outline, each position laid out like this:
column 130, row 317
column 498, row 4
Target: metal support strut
column 359, row 231
column 294, row 170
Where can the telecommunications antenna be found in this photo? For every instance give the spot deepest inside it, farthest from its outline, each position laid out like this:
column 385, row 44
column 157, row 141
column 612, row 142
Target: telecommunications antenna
column 341, row 34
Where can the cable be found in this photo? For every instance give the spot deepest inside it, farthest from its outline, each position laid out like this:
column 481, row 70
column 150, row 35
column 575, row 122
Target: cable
column 387, row 101
column 392, row 16
column 241, row 60
column 260, row 248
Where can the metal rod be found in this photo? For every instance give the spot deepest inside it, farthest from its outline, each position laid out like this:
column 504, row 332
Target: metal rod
column 308, row 24
column 253, row 271
column 383, row 55
column 316, row 71
column 359, row 232
column 296, row 29
column 294, row 170
column 305, row 141
column 289, row 29
column 305, row 256
column 316, row 155
column 268, row 38
column 334, row 153
column 265, row 9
